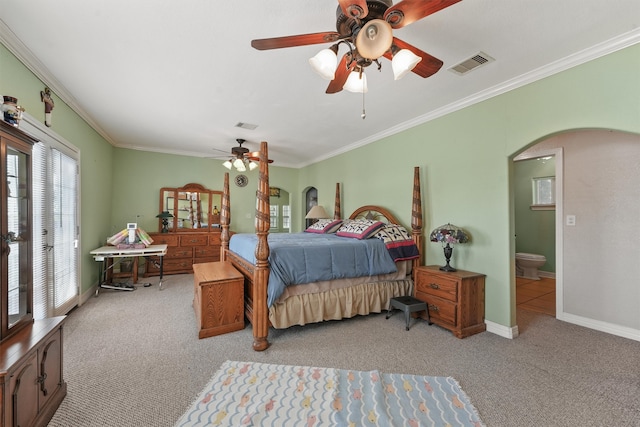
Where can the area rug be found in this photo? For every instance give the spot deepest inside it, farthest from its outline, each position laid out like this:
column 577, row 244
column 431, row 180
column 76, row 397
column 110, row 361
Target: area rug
column 258, row 394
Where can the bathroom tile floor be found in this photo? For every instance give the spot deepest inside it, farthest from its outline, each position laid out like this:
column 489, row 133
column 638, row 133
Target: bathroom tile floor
column 536, row 295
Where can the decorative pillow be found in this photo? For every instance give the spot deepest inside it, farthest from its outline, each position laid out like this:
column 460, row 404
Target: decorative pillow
column 398, row 242
column 325, row 226
column 359, row 228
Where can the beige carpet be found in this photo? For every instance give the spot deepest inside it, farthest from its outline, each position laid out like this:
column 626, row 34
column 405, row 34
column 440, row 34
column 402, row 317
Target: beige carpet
column 134, row 359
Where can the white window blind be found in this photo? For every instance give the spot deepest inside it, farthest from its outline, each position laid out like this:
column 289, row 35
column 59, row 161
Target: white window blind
column 40, row 291
column 65, row 258
column 55, row 193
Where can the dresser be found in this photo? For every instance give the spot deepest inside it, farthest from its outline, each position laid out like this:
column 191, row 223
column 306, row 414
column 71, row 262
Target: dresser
column 455, row 299
column 183, row 250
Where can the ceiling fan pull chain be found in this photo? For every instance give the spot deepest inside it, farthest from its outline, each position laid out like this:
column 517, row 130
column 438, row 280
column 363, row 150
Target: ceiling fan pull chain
column 364, row 113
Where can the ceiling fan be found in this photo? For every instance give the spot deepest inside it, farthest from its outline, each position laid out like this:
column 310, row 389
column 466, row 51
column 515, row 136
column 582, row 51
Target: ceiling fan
column 365, row 27
column 241, row 157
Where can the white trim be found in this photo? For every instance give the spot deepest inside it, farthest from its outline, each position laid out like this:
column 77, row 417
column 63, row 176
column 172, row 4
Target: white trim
column 9, row 39
column 612, row 45
column 501, row 330
column 559, row 166
column 598, row 325
column 38, row 130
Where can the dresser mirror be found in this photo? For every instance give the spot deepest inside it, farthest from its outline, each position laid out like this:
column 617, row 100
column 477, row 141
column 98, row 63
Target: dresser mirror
column 194, row 208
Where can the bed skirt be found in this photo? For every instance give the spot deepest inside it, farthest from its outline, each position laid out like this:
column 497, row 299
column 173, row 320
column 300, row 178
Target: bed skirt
column 336, row 304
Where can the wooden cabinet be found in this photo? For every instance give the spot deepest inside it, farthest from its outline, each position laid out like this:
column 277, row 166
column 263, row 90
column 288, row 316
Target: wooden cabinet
column 184, row 250
column 16, row 277
column 192, row 232
column 31, row 380
column 455, row 299
column 218, row 298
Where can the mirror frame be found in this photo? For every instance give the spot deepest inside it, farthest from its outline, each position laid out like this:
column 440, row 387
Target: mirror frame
column 212, row 219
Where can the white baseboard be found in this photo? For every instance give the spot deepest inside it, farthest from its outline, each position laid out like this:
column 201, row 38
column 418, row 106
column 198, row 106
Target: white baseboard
column 501, row 330
column 91, row 292
column 546, row 274
column 598, row 325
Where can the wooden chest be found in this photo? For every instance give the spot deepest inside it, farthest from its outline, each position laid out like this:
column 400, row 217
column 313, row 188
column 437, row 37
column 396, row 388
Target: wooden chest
column 455, row 299
column 218, row 298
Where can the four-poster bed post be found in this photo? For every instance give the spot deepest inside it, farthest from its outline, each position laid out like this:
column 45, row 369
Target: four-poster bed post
column 257, row 275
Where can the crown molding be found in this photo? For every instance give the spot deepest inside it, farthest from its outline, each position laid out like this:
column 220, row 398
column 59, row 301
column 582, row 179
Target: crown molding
column 610, row 46
column 11, row 41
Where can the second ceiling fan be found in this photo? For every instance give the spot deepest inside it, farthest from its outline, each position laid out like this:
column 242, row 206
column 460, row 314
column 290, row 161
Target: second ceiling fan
column 366, row 27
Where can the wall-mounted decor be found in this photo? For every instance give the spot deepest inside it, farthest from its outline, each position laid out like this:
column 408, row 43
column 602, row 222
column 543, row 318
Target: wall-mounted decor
column 274, row 192
column 241, row 180
column 45, row 96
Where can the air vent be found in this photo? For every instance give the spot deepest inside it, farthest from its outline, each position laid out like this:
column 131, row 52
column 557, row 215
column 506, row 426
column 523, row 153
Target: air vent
column 246, row 126
column 472, row 63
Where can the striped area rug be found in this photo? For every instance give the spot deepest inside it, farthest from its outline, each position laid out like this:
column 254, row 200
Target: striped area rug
column 258, row 394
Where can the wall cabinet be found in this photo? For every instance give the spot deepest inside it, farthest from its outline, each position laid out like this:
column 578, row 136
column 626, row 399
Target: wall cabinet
column 31, row 379
column 455, row 299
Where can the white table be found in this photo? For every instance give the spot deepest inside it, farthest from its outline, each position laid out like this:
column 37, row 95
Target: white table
column 107, row 254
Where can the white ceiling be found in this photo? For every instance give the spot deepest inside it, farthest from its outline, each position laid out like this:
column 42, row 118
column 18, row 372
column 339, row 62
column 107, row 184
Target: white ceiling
column 177, row 76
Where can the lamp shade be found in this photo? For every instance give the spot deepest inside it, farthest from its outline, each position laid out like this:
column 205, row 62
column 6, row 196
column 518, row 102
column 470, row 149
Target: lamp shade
column 164, row 214
column 374, row 39
column 356, row 84
column 403, row 62
column 317, row 212
column 325, row 63
column 449, row 233
column 227, row 164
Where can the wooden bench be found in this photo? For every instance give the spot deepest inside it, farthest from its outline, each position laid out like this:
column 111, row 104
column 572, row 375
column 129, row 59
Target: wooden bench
column 218, row 298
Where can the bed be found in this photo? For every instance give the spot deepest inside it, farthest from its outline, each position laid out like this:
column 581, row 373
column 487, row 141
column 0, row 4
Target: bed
column 330, row 298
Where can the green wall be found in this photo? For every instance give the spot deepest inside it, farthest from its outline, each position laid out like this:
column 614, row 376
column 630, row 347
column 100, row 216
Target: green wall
column 535, row 229
column 139, row 175
column 466, row 163
column 465, row 159
column 96, row 157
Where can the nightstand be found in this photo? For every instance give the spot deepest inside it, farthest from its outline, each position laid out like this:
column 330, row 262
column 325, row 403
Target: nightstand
column 218, row 298
column 455, row 299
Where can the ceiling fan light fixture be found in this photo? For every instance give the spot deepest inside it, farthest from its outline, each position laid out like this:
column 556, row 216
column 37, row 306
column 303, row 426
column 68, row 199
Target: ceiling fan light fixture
column 238, row 163
column 252, row 165
column 228, row 164
column 356, row 82
column 403, row 62
column 374, row 39
column 325, row 62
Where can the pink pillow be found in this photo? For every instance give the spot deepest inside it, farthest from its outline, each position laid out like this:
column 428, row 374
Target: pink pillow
column 324, row 226
column 359, row 228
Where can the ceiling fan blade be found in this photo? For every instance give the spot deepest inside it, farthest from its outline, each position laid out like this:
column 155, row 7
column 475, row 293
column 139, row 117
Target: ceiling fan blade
column 292, row 41
column 425, row 68
column 357, row 9
column 342, row 73
column 409, row 11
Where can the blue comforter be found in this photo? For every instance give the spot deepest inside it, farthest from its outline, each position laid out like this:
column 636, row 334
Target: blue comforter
column 305, row 258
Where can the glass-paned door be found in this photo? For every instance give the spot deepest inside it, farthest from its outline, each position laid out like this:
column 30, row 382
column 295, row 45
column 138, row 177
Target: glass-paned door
column 56, row 281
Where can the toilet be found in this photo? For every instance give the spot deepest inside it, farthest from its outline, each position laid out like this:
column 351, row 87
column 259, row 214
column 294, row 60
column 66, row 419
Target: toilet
column 527, row 265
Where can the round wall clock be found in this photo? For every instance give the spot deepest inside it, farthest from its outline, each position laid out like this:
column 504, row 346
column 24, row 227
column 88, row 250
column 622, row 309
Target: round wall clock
column 242, row 180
